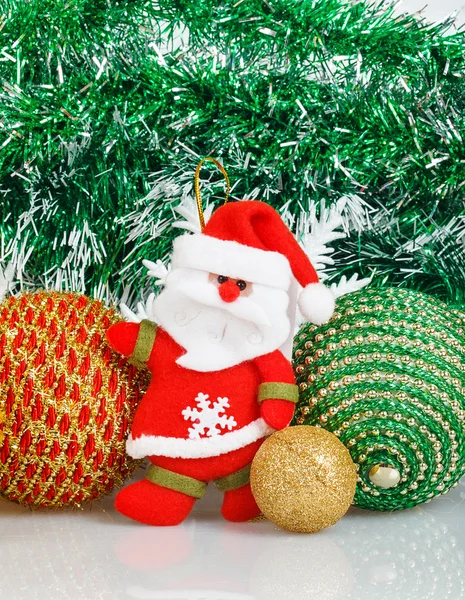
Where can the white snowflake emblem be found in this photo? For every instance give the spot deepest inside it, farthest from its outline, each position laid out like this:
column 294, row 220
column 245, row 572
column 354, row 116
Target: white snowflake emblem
column 208, row 418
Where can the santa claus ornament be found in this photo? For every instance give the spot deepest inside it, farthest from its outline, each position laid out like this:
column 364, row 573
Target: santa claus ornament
column 220, row 383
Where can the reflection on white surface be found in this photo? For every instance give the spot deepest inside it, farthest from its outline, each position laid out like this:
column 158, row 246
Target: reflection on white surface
column 414, row 554
column 95, row 554
column 225, row 561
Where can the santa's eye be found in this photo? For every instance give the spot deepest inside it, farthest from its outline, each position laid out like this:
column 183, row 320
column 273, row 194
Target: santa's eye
column 222, row 279
column 241, row 285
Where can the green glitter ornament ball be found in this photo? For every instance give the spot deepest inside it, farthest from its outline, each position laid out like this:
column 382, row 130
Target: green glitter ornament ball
column 387, row 375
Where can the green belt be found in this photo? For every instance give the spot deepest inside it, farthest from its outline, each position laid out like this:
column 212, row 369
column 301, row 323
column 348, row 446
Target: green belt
column 193, row 487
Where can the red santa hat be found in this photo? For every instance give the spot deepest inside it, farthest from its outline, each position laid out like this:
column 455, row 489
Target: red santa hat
column 248, row 240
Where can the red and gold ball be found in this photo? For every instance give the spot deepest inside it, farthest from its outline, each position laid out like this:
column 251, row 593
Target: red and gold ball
column 66, row 401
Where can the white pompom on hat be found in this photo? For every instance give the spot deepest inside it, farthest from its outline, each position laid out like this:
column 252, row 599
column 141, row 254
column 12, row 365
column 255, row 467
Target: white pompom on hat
column 248, row 240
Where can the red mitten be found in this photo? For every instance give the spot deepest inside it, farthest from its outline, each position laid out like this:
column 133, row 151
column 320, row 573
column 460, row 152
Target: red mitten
column 122, row 337
column 277, row 413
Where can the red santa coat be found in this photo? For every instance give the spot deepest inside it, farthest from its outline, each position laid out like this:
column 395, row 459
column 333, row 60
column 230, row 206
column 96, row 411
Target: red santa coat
column 191, row 414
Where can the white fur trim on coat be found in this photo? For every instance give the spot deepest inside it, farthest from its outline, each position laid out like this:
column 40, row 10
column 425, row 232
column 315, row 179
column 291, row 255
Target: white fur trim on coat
column 316, row 303
column 224, row 257
column 155, row 445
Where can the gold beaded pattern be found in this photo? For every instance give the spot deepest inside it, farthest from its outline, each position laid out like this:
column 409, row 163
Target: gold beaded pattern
column 66, row 401
column 387, row 375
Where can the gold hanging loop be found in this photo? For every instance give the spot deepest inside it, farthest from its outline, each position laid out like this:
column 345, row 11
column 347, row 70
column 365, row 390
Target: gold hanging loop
column 197, row 186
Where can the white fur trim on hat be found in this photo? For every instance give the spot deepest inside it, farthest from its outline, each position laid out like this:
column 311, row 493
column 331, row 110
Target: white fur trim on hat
column 316, row 303
column 225, row 257
column 156, row 445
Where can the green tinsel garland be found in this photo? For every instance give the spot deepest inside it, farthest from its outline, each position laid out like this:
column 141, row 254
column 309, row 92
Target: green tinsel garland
column 106, row 106
column 387, row 375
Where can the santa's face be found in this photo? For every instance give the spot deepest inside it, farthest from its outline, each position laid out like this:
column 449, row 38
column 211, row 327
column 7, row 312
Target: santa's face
column 219, row 321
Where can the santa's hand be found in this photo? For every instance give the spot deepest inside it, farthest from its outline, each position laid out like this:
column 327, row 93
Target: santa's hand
column 277, row 402
column 134, row 340
column 122, row 337
column 277, row 413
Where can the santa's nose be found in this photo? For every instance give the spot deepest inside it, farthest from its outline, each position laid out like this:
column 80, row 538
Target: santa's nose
column 229, row 291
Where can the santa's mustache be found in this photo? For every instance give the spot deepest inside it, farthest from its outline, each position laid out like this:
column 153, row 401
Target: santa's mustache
column 242, row 307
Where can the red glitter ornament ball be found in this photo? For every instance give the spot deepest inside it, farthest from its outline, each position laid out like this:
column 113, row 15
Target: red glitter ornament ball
column 66, row 401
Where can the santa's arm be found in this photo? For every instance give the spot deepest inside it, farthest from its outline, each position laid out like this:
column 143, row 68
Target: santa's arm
column 277, row 392
column 134, row 340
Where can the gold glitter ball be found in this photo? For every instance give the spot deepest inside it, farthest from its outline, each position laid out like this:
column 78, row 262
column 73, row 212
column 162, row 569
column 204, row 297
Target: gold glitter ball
column 303, row 479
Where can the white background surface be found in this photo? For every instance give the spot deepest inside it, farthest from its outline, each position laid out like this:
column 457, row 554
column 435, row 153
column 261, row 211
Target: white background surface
column 96, row 554
column 435, row 10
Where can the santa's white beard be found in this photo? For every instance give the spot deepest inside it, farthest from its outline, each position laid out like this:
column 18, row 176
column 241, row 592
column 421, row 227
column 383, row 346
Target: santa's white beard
column 217, row 335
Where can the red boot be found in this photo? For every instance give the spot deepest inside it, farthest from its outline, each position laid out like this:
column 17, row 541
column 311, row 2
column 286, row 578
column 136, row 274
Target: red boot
column 239, row 505
column 152, row 504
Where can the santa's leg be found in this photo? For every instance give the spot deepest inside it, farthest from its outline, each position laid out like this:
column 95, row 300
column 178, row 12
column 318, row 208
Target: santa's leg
column 239, row 504
column 162, row 498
